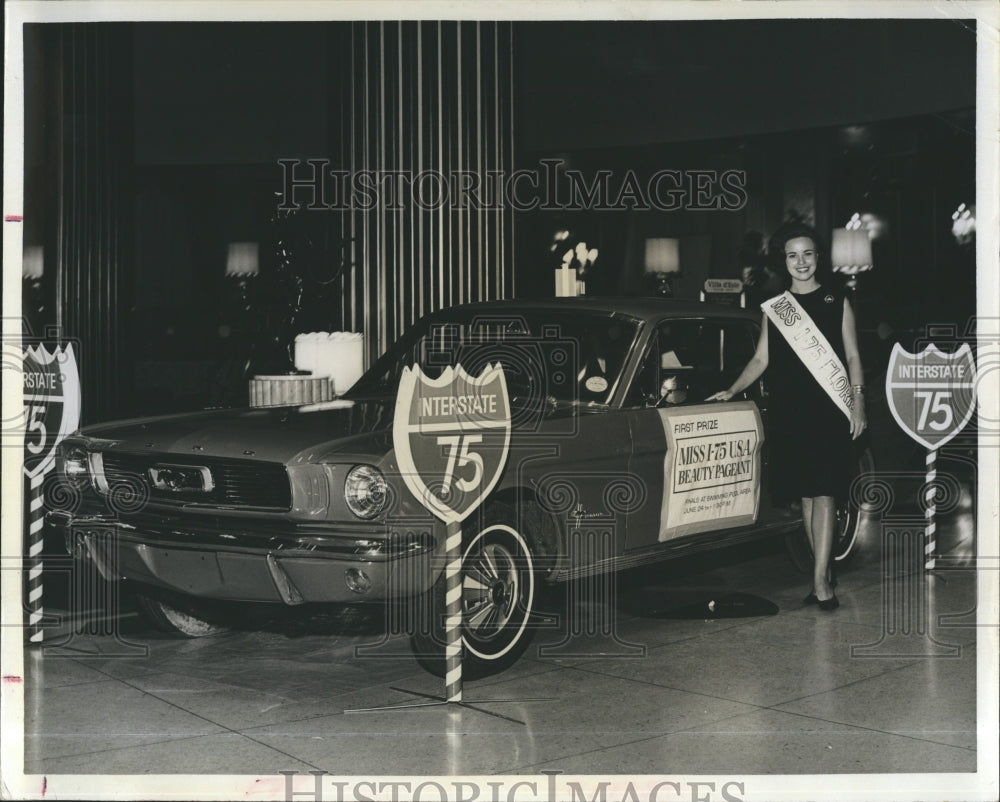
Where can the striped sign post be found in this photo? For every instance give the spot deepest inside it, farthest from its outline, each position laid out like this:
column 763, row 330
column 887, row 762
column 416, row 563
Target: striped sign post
column 930, row 510
column 36, row 526
column 453, row 613
column 51, row 412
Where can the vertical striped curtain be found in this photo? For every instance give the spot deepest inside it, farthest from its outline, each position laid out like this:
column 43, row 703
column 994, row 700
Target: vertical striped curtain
column 93, row 229
column 431, row 100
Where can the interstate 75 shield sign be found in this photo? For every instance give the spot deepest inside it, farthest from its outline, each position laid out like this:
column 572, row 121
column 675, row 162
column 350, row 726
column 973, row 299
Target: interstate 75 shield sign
column 451, row 436
column 931, row 394
column 51, row 404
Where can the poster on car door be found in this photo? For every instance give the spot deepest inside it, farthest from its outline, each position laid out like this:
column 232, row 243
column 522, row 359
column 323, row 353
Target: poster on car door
column 711, row 470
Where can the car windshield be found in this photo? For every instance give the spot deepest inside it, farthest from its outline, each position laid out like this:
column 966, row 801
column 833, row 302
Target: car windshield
column 554, row 355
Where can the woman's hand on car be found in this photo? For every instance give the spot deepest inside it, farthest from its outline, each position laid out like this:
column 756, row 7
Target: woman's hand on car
column 859, row 420
column 722, row 395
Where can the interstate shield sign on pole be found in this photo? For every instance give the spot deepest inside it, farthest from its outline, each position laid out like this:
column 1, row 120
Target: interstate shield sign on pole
column 931, row 394
column 451, row 436
column 51, row 411
column 51, row 404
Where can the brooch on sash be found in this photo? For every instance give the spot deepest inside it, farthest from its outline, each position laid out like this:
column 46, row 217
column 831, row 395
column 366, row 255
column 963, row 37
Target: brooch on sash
column 829, row 299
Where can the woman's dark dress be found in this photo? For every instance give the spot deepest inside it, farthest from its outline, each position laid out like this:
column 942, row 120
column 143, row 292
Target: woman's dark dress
column 810, row 446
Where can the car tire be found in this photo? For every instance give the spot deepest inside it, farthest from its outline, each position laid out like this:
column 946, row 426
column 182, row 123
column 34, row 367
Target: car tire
column 500, row 585
column 189, row 619
column 848, row 523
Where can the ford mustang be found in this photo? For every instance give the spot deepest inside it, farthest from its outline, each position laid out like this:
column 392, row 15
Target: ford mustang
column 611, row 459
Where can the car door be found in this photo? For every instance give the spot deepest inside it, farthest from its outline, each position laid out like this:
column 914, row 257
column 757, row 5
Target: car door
column 576, row 454
column 685, row 361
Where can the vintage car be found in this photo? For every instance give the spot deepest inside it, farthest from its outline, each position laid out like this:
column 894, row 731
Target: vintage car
column 611, row 459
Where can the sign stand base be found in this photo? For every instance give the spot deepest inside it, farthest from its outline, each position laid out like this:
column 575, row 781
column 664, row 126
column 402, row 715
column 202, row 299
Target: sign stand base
column 439, row 701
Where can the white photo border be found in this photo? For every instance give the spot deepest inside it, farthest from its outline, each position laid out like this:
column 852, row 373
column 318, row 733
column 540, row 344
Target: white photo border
column 773, row 788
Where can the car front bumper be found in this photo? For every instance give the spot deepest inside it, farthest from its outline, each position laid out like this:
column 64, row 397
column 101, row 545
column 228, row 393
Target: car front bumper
column 291, row 564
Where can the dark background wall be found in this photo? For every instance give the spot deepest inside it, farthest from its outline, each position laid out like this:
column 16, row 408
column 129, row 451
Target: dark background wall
column 825, row 117
column 185, row 122
column 597, row 84
column 208, row 111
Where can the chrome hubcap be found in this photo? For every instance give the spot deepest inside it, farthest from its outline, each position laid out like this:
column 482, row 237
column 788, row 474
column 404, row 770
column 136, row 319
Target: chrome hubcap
column 489, row 591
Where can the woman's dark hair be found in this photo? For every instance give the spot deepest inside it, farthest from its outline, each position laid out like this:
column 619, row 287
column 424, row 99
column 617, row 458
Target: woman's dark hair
column 792, row 230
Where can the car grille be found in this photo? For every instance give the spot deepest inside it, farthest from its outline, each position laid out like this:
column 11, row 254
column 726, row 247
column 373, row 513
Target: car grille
column 243, row 483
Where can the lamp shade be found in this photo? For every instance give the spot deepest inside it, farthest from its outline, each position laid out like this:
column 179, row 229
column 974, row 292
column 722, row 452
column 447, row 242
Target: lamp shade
column 33, row 262
column 663, row 255
column 243, row 259
column 851, row 251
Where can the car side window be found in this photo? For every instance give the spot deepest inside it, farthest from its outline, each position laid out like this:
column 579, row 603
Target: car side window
column 690, row 359
column 644, row 390
column 739, row 344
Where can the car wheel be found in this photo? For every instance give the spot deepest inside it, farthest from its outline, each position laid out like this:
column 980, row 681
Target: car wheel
column 187, row 618
column 499, row 588
column 846, row 528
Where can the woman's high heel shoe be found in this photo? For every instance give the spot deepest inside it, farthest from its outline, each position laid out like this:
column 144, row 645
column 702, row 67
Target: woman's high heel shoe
column 828, row 604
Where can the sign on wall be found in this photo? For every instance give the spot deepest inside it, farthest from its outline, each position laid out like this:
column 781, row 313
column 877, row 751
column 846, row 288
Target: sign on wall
column 726, row 291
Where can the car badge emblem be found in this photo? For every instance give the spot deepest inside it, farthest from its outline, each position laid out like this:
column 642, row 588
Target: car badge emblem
column 931, row 394
column 451, row 436
column 181, row 478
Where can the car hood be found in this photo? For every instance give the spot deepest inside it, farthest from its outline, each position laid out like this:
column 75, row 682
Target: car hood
column 291, row 435
column 330, row 431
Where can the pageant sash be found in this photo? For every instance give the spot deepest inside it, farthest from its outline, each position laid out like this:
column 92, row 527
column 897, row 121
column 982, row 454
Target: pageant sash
column 811, row 346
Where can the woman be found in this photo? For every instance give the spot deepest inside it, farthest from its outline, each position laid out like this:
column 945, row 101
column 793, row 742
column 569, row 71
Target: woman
column 811, row 452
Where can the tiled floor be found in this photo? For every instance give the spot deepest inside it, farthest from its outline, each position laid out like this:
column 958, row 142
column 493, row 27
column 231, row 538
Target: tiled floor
column 799, row 692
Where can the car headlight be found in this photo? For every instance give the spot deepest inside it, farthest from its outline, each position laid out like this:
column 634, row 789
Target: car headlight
column 366, row 491
column 75, row 463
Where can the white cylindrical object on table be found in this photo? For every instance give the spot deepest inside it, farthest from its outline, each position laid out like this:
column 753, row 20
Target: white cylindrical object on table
column 289, row 390
column 339, row 356
column 306, row 351
column 345, row 359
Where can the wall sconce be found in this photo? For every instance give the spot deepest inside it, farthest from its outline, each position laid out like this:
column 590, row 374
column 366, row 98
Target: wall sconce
column 963, row 224
column 662, row 264
column 243, row 259
column 33, row 263
column 243, row 264
column 851, row 253
column 32, row 270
